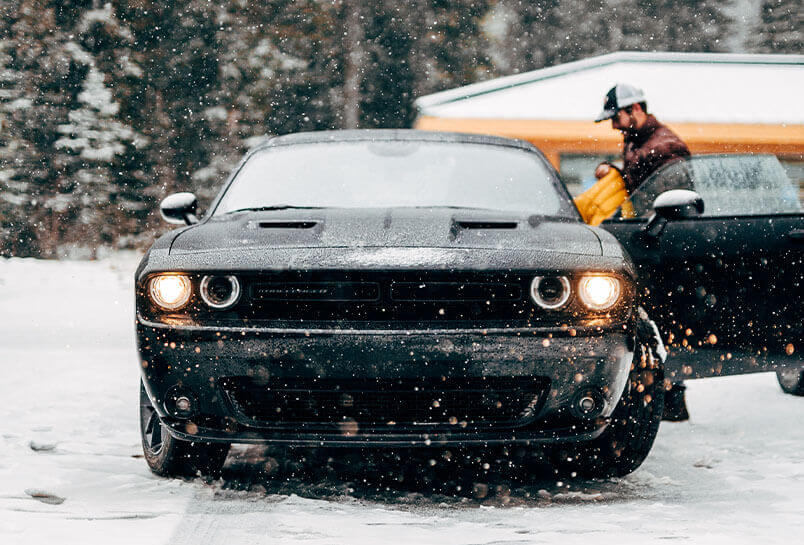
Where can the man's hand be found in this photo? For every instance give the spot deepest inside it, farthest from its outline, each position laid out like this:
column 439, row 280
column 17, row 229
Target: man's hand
column 601, row 170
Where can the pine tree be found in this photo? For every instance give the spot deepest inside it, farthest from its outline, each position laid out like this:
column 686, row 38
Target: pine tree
column 109, row 41
column 383, row 54
column 73, row 160
column 531, row 35
column 98, row 144
column 13, row 186
column 275, row 69
column 781, row 27
column 449, row 46
column 174, row 44
column 49, row 80
column 348, row 63
column 669, row 25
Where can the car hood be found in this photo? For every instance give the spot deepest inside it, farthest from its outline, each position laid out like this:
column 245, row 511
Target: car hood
column 386, row 229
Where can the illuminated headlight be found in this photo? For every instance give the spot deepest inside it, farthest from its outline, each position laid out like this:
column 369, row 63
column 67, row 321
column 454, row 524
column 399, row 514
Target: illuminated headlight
column 170, row 291
column 599, row 292
column 220, row 292
column 550, row 292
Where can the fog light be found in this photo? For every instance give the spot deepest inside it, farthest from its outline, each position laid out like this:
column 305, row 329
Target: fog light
column 588, row 403
column 170, row 291
column 599, row 292
column 180, row 403
column 183, row 404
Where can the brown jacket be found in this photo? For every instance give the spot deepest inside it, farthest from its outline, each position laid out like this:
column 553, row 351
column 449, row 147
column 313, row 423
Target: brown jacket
column 647, row 149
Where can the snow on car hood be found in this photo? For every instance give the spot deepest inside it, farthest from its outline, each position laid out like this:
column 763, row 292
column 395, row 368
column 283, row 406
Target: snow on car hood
column 392, row 234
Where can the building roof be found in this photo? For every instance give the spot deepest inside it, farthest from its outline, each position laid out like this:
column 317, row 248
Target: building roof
column 680, row 87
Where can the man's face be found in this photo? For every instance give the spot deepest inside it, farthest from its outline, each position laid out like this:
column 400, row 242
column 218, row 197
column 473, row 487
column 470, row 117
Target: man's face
column 624, row 120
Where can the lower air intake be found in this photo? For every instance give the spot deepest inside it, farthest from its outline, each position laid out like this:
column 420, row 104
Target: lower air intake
column 480, row 402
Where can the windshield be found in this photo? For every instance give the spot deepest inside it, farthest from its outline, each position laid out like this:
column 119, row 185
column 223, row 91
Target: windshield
column 396, row 174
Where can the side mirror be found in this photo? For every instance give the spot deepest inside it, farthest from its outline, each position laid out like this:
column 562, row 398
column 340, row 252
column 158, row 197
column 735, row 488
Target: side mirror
column 678, row 204
column 179, row 208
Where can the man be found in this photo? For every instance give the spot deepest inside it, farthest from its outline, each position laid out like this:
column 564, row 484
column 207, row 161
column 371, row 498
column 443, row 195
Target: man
column 647, row 145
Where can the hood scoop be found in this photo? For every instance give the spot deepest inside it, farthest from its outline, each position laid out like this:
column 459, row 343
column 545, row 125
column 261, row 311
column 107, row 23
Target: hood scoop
column 478, row 226
column 287, row 224
column 483, row 224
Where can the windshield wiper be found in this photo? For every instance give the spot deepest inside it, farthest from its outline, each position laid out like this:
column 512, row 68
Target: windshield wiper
column 274, row 207
column 450, row 207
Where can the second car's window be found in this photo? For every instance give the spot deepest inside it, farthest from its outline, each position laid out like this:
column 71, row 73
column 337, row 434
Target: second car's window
column 397, row 174
column 730, row 185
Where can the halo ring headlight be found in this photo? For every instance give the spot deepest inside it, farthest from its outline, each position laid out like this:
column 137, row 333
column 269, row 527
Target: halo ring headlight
column 599, row 292
column 550, row 292
column 220, row 292
column 170, row 291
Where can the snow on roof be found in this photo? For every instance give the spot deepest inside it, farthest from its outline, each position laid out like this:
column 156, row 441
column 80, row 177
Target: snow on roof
column 680, row 87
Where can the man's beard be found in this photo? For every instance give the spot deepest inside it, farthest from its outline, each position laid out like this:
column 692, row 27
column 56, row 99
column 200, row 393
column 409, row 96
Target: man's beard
column 630, row 131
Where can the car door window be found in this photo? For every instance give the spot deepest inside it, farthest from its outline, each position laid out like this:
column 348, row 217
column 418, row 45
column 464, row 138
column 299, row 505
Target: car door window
column 730, row 185
column 676, row 175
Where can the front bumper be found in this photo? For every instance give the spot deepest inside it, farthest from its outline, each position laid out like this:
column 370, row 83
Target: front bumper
column 198, row 361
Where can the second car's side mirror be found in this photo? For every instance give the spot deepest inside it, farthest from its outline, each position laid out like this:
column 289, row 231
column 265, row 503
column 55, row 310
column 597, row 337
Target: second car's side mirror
column 675, row 204
column 678, row 204
column 179, row 208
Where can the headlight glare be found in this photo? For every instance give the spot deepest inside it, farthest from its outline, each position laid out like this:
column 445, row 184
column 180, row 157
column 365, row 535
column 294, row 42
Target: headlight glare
column 170, row 291
column 599, row 292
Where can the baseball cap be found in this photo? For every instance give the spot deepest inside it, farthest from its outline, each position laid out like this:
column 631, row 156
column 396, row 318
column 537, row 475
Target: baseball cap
column 620, row 96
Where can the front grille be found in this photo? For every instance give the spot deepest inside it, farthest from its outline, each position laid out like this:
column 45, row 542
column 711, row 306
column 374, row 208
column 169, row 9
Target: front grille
column 315, row 291
column 440, row 299
column 420, row 403
column 454, row 291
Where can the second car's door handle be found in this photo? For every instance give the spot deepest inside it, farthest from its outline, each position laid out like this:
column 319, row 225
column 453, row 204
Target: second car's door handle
column 796, row 235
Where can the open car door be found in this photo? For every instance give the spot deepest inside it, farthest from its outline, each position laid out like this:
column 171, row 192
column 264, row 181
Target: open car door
column 724, row 284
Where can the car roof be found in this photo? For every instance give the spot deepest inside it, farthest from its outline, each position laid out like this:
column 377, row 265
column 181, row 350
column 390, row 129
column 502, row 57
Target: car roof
column 391, row 135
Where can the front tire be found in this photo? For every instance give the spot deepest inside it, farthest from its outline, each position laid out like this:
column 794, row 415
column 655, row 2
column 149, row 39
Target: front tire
column 791, row 380
column 627, row 440
column 170, row 457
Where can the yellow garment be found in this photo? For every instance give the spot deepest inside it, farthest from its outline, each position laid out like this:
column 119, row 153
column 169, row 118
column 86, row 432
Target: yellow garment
column 601, row 200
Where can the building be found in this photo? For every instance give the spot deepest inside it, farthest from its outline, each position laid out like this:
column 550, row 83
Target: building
column 718, row 103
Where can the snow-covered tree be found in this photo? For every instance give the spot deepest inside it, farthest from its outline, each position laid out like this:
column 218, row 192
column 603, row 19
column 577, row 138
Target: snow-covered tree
column 14, row 187
column 46, row 81
column 65, row 158
column 549, row 32
column 109, row 101
column 176, row 46
column 780, row 28
column 98, row 144
column 530, row 35
column 669, row 25
column 447, row 46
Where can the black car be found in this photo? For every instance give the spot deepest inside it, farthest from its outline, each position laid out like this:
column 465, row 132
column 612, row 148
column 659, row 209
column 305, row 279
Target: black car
column 393, row 289
column 718, row 242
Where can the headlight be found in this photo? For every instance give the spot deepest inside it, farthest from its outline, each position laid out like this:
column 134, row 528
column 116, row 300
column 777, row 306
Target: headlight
column 220, row 292
column 599, row 292
column 170, row 291
column 550, row 292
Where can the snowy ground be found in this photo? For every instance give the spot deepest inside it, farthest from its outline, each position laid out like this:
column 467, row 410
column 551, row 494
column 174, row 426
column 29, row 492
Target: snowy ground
column 71, row 471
